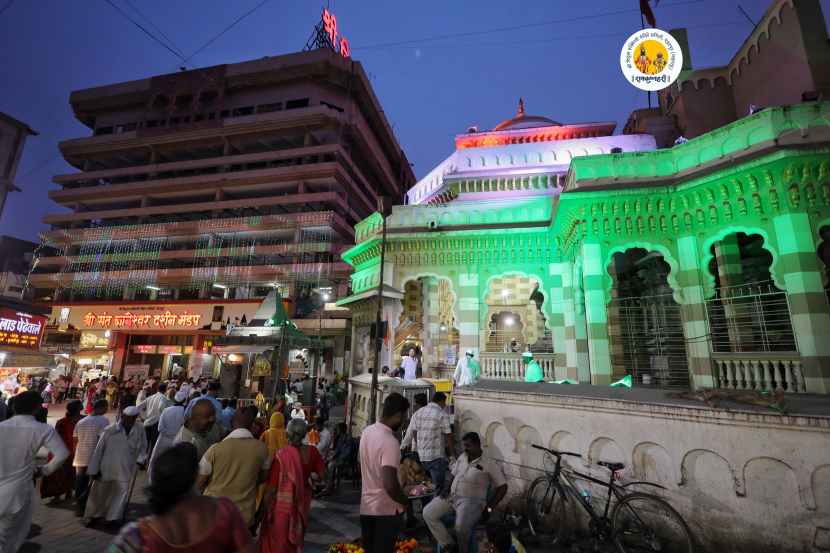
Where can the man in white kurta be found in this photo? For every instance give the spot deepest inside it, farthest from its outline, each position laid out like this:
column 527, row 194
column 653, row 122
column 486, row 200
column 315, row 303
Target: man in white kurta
column 410, row 366
column 465, row 370
column 170, row 422
column 20, row 439
column 113, row 467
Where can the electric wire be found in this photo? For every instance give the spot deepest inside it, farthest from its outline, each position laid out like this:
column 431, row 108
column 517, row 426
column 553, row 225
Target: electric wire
column 143, row 29
column 225, row 30
column 7, row 6
column 514, row 27
column 155, row 27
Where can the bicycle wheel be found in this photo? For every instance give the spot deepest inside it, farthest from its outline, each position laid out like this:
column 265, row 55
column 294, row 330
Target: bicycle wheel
column 546, row 509
column 646, row 523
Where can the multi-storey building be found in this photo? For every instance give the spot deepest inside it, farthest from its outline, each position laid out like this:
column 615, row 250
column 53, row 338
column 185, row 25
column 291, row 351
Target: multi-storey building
column 200, row 191
column 13, row 134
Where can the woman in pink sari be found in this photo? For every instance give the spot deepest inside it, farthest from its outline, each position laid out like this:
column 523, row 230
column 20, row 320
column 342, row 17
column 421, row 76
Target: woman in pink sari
column 287, row 500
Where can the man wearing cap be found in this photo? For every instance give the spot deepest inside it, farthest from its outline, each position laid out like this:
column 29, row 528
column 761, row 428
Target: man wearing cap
column 121, row 448
column 533, row 372
column 170, row 422
column 467, row 370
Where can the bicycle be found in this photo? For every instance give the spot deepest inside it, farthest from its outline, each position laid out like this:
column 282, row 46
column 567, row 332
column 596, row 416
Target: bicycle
column 638, row 522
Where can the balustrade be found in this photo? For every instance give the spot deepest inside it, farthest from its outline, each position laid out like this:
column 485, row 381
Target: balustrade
column 509, row 366
column 763, row 373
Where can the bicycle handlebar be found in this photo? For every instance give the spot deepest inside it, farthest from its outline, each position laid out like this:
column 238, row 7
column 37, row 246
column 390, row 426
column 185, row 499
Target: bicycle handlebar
column 554, row 452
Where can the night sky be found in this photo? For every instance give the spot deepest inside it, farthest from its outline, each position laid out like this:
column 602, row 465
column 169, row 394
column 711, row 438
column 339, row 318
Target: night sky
column 562, row 56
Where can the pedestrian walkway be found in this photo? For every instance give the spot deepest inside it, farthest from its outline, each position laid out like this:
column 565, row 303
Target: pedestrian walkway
column 56, row 529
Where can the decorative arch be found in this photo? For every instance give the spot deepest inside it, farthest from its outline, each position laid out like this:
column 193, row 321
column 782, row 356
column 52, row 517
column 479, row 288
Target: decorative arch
column 664, row 251
column 605, row 449
column 651, row 462
column 692, row 456
column 546, row 304
column 408, row 277
column 792, row 479
column 706, row 255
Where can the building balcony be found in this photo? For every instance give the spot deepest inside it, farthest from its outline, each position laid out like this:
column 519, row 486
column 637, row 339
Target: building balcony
column 246, row 274
column 200, row 227
column 193, row 254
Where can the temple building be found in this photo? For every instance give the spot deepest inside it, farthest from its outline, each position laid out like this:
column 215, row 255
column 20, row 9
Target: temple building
column 199, row 192
column 702, row 265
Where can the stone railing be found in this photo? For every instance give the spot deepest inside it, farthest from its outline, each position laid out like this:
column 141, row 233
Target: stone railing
column 509, row 366
column 764, row 372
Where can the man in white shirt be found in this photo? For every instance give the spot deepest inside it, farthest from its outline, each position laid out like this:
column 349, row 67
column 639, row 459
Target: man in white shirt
column 170, row 422
column 466, row 371
column 151, row 409
column 409, row 365
column 297, row 412
column 478, row 485
column 86, row 435
column 21, row 438
column 121, row 448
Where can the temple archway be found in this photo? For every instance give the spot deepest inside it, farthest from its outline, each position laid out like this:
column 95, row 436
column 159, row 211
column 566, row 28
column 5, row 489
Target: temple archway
column 428, row 324
column 515, row 318
column 645, row 326
column 748, row 313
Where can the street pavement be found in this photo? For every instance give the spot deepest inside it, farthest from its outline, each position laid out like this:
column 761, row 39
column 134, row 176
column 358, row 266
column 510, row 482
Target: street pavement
column 56, row 529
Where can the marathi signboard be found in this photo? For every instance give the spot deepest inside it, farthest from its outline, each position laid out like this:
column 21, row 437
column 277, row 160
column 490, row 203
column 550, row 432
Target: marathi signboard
column 158, row 316
column 141, row 371
column 168, row 319
column 20, row 329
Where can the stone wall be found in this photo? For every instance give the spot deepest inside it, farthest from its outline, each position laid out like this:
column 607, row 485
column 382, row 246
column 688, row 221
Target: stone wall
column 743, row 481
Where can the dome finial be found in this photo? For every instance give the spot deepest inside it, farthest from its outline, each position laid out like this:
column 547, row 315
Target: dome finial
column 521, row 111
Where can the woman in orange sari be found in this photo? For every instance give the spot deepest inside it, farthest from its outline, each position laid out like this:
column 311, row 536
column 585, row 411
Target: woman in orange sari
column 288, row 493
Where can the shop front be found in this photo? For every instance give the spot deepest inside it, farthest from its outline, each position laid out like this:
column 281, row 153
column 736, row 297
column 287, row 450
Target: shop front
column 163, row 340
column 20, row 359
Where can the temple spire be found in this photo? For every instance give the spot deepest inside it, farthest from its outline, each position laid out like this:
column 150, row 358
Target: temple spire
column 521, row 111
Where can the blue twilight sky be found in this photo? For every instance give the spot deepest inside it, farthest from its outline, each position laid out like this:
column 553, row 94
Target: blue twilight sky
column 432, row 88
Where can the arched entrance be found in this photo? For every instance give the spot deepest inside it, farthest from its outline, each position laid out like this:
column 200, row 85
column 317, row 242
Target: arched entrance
column 428, row 324
column 515, row 319
column 645, row 325
column 748, row 312
column 753, row 342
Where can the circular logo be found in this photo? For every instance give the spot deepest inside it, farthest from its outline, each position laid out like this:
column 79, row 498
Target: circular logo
column 651, row 59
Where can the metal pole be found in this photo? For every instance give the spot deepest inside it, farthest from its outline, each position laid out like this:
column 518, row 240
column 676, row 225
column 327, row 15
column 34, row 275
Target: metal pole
column 378, row 338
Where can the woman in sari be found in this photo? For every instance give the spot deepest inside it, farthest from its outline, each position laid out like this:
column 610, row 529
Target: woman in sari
column 183, row 521
column 287, row 499
column 62, row 481
column 275, row 437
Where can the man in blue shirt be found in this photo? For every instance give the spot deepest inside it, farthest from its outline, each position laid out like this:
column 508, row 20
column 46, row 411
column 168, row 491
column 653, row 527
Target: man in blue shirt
column 211, row 395
column 228, row 412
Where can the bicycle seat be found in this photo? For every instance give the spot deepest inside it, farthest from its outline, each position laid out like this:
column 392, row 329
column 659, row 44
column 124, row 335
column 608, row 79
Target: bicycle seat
column 613, row 467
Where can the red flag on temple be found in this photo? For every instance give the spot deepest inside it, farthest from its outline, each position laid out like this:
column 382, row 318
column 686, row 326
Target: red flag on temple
column 645, row 10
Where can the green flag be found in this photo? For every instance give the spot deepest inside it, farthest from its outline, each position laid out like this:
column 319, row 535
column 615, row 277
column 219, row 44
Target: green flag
column 624, row 381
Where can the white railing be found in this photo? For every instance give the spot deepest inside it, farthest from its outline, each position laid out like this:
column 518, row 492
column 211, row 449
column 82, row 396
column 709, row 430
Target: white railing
column 762, row 372
column 509, row 366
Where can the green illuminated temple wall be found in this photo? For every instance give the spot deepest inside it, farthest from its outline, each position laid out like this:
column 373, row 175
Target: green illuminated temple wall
column 767, row 174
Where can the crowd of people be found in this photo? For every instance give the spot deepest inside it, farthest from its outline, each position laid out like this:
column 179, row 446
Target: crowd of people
column 225, row 475
column 219, row 478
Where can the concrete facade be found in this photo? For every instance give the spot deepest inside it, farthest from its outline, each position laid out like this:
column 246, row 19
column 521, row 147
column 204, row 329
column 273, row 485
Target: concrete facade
column 744, row 480
column 13, row 134
column 784, row 60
